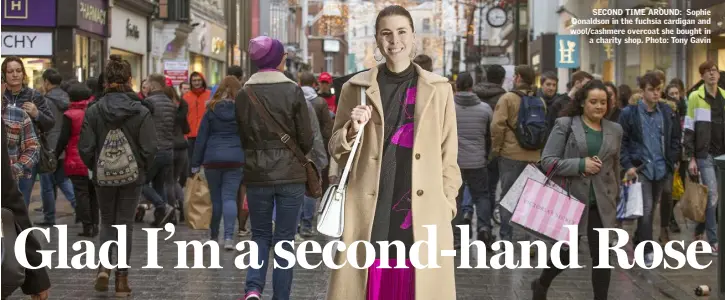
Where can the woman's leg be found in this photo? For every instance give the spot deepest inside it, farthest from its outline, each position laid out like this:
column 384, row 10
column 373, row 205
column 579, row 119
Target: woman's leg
column 600, row 277
column 242, row 214
column 214, row 180
column 230, row 191
column 288, row 201
column 261, row 201
column 128, row 197
column 83, row 203
column 107, row 205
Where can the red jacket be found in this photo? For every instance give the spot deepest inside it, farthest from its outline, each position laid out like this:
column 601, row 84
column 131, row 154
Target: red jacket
column 73, row 164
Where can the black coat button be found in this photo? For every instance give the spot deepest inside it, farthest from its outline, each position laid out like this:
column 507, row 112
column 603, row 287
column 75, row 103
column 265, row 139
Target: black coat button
column 417, row 156
column 420, row 193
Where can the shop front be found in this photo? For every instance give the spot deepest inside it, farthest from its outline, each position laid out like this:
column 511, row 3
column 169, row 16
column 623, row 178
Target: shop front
column 129, row 40
column 82, row 38
column 28, row 32
column 208, row 50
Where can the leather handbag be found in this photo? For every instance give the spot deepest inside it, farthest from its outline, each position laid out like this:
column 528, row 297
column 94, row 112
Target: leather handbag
column 331, row 220
column 13, row 274
column 314, row 180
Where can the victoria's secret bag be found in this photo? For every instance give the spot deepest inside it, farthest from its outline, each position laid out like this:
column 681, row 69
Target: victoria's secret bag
column 314, row 182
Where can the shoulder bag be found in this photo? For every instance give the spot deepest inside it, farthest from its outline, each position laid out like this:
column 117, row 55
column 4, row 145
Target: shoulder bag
column 314, row 181
column 331, row 220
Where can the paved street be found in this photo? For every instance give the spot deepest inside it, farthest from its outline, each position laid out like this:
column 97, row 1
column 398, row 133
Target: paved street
column 227, row 283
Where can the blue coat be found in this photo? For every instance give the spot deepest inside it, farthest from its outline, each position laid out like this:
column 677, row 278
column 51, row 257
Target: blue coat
column 218, row 139
column 632, row 153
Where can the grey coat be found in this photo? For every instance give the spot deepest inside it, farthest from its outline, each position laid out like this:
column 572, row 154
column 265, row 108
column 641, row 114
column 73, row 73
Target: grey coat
column 58, row 101
column 473, row 118
column 569, row 152
column 164, row 116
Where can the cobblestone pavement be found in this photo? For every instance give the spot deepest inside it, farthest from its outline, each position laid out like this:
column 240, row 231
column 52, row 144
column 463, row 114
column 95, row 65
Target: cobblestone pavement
column 228, row 283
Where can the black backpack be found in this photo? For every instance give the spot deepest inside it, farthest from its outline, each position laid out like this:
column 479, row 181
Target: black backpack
column 531, row 130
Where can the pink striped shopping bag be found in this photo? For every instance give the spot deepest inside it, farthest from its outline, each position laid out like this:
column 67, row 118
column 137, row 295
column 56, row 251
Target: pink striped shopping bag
column 544, row 210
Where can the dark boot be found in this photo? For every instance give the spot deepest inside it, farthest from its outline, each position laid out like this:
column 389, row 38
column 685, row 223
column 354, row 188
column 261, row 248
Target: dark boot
column 664, row 235
column 122, row 288
column 102, row 276
column 538, row 290
column 87, row 230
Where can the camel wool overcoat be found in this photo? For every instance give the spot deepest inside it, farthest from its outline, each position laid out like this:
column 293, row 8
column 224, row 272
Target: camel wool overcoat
column 435, row 183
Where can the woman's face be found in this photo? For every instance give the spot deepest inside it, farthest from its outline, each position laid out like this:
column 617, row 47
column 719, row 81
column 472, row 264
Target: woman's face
column 595, row 106
column 612, row 97
column 674, row 93
column 14, row 74
column 395, row 38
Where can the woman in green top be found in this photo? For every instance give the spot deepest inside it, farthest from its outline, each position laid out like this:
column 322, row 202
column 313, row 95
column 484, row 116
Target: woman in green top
column 585, row 148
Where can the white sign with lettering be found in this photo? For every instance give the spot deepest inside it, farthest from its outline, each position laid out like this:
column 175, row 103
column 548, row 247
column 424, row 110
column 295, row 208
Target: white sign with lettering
column 27, row 43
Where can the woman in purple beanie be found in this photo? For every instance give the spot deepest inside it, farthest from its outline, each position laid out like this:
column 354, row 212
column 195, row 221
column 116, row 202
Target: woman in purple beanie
column 275, row 178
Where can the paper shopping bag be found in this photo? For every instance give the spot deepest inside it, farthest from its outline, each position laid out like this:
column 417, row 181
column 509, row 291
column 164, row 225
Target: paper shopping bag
column 511, row 199
column 197, row 202
column 545, row 211
column 694, row 200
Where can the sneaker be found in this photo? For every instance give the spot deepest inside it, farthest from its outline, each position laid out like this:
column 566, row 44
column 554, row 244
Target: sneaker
column 252, row 295
column 229, row 244
column 244, row 233
column 299, row 238
column 715, row 249
column 307, row 232
column 699, row 237
column 163, row 215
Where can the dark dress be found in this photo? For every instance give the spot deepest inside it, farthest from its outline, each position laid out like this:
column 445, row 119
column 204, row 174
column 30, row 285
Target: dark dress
column 393, row 219
column 393, row 216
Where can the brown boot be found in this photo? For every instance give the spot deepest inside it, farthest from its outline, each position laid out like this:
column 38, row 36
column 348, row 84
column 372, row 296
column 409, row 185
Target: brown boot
column 664, row 235
column 122, row 288
column 102, row 279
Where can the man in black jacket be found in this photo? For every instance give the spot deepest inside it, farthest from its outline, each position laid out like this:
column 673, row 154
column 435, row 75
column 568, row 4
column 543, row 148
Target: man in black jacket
column 160, row 174
column 36, row 282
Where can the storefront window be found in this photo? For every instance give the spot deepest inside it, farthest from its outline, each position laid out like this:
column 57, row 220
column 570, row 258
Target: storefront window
column 89, row 57
column 135, row 61
column 217, row 70
column 34, row 68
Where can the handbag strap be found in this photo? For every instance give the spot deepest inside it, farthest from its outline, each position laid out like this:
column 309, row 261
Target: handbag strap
column 274, row 127
column 355, row 145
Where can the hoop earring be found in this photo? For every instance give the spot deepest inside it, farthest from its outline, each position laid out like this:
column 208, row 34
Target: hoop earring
column 375, row 54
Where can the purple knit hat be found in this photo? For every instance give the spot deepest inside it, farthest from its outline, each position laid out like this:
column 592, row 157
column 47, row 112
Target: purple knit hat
column 266, row 52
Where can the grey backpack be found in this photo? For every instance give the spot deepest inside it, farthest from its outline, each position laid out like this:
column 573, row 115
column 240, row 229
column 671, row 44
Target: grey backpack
column 116, row 165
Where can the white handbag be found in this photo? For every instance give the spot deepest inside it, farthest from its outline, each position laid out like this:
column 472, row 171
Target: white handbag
column 331, row 220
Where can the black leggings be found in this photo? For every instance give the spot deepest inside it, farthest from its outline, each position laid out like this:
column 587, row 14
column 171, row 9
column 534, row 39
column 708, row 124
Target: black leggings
column 600, row 277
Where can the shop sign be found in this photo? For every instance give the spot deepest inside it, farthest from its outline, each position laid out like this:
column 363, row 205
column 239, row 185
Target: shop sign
column 567, row 51
column 132, row 29
column 93, row 16
column 176, row 70
column 38, row 13
column 27, row 43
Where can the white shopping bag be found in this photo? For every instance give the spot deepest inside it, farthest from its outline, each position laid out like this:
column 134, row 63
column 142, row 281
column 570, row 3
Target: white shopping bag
column 631, row 204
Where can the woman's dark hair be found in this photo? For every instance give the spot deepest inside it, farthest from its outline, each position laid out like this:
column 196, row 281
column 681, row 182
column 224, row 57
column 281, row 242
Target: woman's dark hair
column 613, row 87
column 625, row 92
column 92, row 84
column 79, row 92
column 670, row 86
column 117, row 74
column 393, row 10
column 576, row 106
column 16, row 59
column 464, row 81
column 66, row 84
column 170, row 92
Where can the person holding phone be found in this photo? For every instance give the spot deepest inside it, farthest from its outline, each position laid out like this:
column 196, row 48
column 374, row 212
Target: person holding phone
column 17, row 93
column 584, row 142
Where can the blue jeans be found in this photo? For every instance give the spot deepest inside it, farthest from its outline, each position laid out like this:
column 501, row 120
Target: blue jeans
column 709, row 178
column 287, row 198
column 307, row 213
column 509, row 171
column 26, row 186
column 224, row 189
column 467, row 205
column 49, row 182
